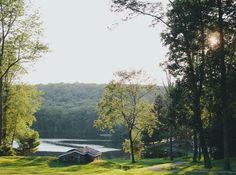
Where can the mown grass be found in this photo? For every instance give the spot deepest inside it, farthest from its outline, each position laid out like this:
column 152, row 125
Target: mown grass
column 51, row 166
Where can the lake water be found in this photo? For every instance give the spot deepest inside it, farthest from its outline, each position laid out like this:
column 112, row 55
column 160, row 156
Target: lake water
column 63, row 145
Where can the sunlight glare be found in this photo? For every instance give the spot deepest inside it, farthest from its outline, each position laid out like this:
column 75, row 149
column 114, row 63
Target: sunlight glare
column 213, row 39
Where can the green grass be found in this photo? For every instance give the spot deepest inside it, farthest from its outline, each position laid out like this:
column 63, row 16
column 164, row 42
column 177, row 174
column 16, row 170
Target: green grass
column 51, row 166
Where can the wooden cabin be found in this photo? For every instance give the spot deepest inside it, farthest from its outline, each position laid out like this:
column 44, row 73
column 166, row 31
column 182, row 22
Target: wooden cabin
column 80, row 155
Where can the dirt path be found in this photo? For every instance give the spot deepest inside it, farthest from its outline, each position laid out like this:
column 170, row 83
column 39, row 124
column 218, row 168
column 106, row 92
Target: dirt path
column 171, row 166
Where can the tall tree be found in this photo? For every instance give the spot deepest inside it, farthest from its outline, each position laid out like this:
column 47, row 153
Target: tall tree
column 223, row 87
column 170, row 114
column 20, row 42
column 186, row 39
column 124, row 103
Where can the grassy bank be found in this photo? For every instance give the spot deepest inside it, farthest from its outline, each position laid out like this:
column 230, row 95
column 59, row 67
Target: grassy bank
column 50, row 165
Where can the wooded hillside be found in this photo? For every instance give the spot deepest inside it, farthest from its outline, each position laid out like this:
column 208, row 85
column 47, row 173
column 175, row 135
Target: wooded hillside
column 68, row 110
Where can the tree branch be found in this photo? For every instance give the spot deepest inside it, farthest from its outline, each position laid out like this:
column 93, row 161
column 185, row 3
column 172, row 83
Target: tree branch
column 148, row 14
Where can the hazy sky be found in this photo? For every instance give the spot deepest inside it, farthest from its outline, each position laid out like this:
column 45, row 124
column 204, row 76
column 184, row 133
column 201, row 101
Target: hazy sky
column 84, row 50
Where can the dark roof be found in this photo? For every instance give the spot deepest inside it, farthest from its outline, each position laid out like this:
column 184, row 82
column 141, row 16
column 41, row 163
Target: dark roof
column 83, row 151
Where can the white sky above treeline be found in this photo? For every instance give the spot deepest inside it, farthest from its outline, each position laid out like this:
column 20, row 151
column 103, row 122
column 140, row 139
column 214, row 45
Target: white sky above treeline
column 84, row 50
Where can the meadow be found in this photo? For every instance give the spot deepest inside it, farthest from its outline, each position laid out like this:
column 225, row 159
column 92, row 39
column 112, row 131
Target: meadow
column 51, row 166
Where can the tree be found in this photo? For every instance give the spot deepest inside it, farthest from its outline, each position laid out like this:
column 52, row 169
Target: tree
column 20, row 42
column 124, row 103
column 160, row 132
column 231, row 7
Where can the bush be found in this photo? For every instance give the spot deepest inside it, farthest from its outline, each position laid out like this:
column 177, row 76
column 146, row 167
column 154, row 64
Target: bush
column 6, row 150
column 154, row 151
column 28, row 143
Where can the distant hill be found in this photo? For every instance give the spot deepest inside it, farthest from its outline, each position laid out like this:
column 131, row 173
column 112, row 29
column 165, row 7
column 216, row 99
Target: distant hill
column 68, row 110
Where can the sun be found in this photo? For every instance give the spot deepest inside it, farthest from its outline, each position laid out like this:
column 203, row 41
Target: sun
column 213, row 39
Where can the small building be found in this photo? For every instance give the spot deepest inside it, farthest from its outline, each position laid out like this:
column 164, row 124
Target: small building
column 80, row 155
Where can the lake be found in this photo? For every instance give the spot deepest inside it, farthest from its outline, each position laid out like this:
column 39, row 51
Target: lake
column 55, row 147
column 63, row 145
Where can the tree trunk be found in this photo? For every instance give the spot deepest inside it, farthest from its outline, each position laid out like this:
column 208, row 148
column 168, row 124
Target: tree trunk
column 226, row 146
column 223, row 90
column 195, row 143
column 186, row 149
column 207, row 161
column 154, row 148
column 171, row 143
column 131, row 147
column 13, row 136
column 199, row 152
column 1, row 111
column 199, row 127
column 211, row 153
column 14, row 131
column 198, row 93
column 5, row 132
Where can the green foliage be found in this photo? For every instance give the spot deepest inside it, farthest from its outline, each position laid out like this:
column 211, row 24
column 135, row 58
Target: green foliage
column 68, row 110
column 6, row 150
column 28, row 143
column 124, row 103
column 23, row 101
column 20, row 37
column 138, row 148
column 123, row 100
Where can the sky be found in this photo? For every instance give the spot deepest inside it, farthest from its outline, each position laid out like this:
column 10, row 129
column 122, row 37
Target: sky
column 84, row 50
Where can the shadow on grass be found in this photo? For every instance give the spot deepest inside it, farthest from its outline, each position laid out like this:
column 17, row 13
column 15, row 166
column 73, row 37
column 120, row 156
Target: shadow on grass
column 190, row 168
column 151, row 162
column 75, row 167
column 58, row 164
column 105, row 164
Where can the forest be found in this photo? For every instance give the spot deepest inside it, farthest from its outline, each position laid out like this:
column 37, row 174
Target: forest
column 68, row 110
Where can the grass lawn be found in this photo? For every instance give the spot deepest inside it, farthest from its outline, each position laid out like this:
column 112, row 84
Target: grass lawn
column 51, row 166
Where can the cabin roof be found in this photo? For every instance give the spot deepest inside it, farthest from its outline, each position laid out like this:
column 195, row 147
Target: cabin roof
column 83, row 151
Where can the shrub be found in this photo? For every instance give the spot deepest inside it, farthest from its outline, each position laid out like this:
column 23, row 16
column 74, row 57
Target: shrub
column 6, row 150
column 28, row 143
